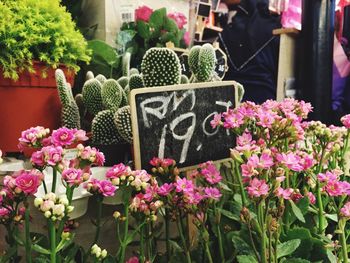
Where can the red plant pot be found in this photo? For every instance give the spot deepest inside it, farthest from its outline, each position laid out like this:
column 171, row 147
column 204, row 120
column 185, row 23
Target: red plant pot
column 29, row 101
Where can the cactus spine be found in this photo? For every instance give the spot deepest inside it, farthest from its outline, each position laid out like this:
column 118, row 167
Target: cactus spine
column 112, row 94
column 123, row 81
column 201, row 60
column 101, row 78
column 122, row 120
column 92, row 96
column 103, row 128
column 136, row 82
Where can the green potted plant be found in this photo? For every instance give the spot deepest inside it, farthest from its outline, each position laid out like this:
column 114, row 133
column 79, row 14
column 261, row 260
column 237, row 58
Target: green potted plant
column 36, row 36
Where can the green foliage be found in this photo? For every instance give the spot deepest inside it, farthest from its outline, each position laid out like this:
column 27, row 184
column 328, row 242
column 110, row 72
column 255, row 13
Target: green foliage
column 92, row 97
column 103, row 128
column 160, row 67
column 287, row 248
column 122, row 120
column 38, row 30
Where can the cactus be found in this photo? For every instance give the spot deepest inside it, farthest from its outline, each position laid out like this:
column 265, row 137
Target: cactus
column 92, row 96
column 122, row 120
column 70, row 116
column 193, row 58
column 160, row 67
column 184, row 79
column 206, row 63
column 136, row 82
column 79, row 101
column 123, row 81
column 125, row 100
column 103, row 129
column 126, row 64
column 112, row 94
column 89, row 75
column 127, row 90
column 101, row 78
column 134, row 71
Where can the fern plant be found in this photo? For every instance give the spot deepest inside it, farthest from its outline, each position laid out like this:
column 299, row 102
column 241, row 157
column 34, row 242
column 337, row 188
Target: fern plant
column 38, row 30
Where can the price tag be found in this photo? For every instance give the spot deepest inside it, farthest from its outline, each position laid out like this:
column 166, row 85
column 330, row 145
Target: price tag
column 70, row 154
column 221, row 63
column 127, row 13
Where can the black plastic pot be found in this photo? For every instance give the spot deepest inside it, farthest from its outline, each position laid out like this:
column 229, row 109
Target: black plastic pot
column 115, row 153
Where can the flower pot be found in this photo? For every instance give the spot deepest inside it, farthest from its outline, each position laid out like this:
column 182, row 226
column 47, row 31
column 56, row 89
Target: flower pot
column 115, row 153
column 29, row 101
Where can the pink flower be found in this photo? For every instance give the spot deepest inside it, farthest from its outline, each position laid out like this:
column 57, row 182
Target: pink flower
column 150, row 192
column 90, row 154
column 345, row 210
column 232, row 119
column 334, row 188
column 265, row 119
column 210, row 173
column 257, row 188
column 167, row 162
column 346, row 121
column 118, row 170
column 248, row 170
column 38, row 158
column 73, row 177
column 143, row 13
column 327, row 177
column 245, row 138
column 156, row 162
column 290, row 160
column 284, row 193
column 133, row 260
column 107, row 188
column 63, row 137
column 311, row 197
column 265, row 161
column 28, row 182
column 80, row 135
column 53, row 155
column 192, row 197
column 141, row 179
column 184, row 185
column 212, row 193
column 165, row 189
column 4, row 212
column 179, row 18
column 187, row 38
column 32, row 137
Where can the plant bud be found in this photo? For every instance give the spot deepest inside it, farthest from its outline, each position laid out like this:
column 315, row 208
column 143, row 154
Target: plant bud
column 47, row 214
column 116, row 214
column 38, row 202
column 104, row 253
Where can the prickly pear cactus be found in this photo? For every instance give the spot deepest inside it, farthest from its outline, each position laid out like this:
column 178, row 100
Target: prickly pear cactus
column 127, row 90
column 134, row 71
column 125, row 100
column 70, row 116
column 79, row 101
column 126, row 64
column 89, row 75
column 136, row 82
column 184, row 79
column 123, row 81
column 103, row 128
column 112, row 94
column 160, row 67
column 193, row 58
column 92, row 96
column 122, row 120
column 101, row 78
column 206, row 63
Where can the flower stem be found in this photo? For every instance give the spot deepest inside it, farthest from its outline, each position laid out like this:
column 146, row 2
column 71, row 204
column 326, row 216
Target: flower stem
column 183, row 240
column 28, row 245
column 343, row 241
column 218, row 229
column 241, row 187
column 263, row 230
column 321, row 219
column 126, row 230
column 207, row 251
column 167, row 234
column 142, row 245
column 52, row 232
column 54, row 180
column 98, row 219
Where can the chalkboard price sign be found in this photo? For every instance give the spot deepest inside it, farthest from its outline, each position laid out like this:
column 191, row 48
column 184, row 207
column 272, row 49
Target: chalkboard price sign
column 174, row 122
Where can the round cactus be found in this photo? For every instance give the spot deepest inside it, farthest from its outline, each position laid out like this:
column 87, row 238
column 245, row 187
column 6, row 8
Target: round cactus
column 136, row 82
column 112, row 94
column 134, row 71
column 101, row 78
column 103, row 128
column 160, row 67
column 193, row 58
column 122, row 120
column 89, row 75
column 123, row 81
column 126, row 64
column 206, row 63
column 184, row 79
column 92, row 96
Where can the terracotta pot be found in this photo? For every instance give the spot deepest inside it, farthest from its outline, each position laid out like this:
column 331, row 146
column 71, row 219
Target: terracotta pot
column 29, row 101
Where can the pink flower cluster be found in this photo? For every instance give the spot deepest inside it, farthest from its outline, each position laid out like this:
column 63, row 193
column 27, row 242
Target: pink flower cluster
column 179, row 18
column 346, row 121
column 332, row 185
column 101, row 187
column 89, row 156
column 143, row 13
column 48, row 156
column 75, row 177
column 35, row 137
column 22, row 183
column 164, row 163
column 66, row 137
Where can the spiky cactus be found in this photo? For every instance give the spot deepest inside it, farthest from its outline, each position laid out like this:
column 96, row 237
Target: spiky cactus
column 122, row 120
column 127, row 90
column 160, row 67
column 79, row 101
column 101, row 78
column 125, row 100
column 193, row 58
column 184, row 79
column 202, row 61
column 123, row 81
column 126, row 64
column 92, row 96
column 89, row 75
column 103, row 129
column 70, row 116
column 112, row 94
column 134, row 71
column 136, row 82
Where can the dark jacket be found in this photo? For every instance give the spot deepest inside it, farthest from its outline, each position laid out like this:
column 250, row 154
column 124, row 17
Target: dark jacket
column 252, row 49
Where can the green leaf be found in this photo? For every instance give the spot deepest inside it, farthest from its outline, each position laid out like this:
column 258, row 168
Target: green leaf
column 125, row 36
column 143, row 29
column 103, row 52
column 246, row 259
column 333, row 217
column 65, row 243
column 170, row 25
column 40, row 249
column 18, row 240
column 294, row 260
column 241, row 246
column 287, row 248
column 332, row 258
column 306, row 245
column 297, row 212
column 229, row 214
column 42, row 259
column 157, row 18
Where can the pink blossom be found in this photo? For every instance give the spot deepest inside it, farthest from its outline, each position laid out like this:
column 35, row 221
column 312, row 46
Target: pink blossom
column 327, row 177
column 141, row 179
column 248, row 170
column 245, row 138
column 345, row 210
column 210, row 173
column 212, row 193
column 290, row 160
column 90, row 154
column 265, row 119
column 63, row 137
column 184, row 185
column 156, row 162
column 167, row 162
column 80, row 135
column 311, row 197
column 232, row 119
column 133, row 260
column 143, row 13
column 32, row 137
column 257, row 188
column 247, row 109
column 150, row 192
column 192, row 197
column 118, row 170
column 334, row 188
column 107, row 188
column 284, row 193
column 187, row 38
column 4, row 212
column 296, row 196
column 346, row 121
column 265, row 161
column 28, row 182
column 179, row 18
column 38, row 158
column 53, row 155
column 73, row 177
column 165, row 189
